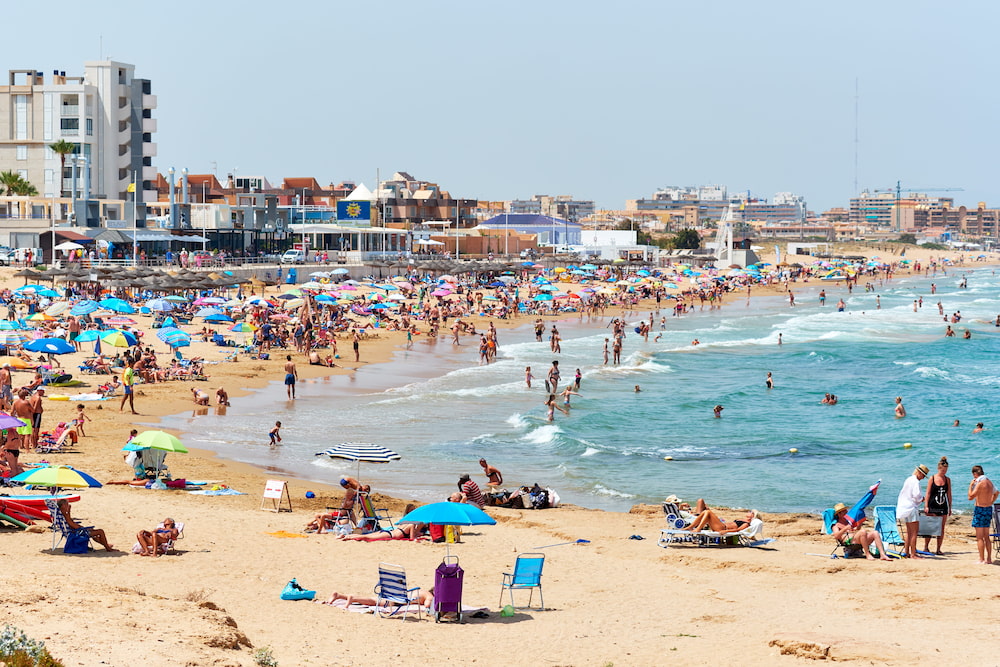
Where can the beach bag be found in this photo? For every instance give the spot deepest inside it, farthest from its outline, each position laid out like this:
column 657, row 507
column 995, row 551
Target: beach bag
column 77, row 542
column 540, row 500
column 293, row 591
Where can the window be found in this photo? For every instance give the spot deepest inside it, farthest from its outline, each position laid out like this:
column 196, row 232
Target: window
column 20, row 116
column 90, row 127
column 69, row 126
column 22, row 152
column 50, row 176
column 23, row 173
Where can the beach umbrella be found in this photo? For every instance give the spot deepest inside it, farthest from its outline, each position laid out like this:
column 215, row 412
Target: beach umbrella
column 449, row 514
column 49, row 346
column 41, row 317
column 16, row 362
column 160, row 305
column 10, row 325
column 543, row 297
column 176, row 298
column 9, row 421
column 205, row 312
column 259, row 301
column 242, row 327
column 360, row 451
column 159, row 440
column 58, row 308
column 117, row 305
column 174, row 337
column 325, row 298
column 119, row 338
column 120, row 321
column 210, row 300
column 88, row 335
column 857, row 513
column 441, row 292
column 58, row 477
column 339, row 272
column 85, row 307
column 218, row 317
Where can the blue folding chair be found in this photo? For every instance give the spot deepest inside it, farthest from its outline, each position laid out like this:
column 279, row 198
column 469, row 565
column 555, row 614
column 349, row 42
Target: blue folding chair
column 527, row 574
column 886, row 525
column 393, row 595
column 61, row 529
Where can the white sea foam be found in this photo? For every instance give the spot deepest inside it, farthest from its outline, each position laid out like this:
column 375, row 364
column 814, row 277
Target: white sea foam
column 590, row 451
column 543, row 435
column 905, row 363
column 931, row 372
column 517, row 421
column 602, row 490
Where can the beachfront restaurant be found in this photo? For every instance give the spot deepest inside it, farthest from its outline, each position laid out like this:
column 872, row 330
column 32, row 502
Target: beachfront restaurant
column 371, row 242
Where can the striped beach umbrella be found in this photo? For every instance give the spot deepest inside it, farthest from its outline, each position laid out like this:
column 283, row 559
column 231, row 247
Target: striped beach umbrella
column 10, row 325
column 118, row 338
column 174, row 337
column 360, row 451
column 243, row 327
column 120, row 321
column 160, row 305
column 206, row 311
column 12, row 338
column 85, row 307
column 117, row 305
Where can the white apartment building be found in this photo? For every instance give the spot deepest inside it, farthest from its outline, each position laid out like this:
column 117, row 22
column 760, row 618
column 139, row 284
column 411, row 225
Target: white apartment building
column 107, row 113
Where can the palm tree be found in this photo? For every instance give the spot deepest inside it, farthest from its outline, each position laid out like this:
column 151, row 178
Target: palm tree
column 9, row 180
column 24, row 188
column 64, row 148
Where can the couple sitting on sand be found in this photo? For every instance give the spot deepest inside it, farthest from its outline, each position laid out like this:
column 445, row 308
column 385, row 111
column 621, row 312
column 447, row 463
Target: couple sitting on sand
column 703, row 518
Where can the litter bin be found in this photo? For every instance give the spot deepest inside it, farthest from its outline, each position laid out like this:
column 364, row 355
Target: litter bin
column 293, row 277
column 448, row 588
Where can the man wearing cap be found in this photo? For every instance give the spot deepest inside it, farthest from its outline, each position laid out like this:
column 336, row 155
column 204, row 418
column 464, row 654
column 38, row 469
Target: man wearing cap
column 908, row 506
column 863, row 537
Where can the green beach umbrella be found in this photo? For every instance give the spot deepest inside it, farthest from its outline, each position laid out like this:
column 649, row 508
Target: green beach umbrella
column 160, row 440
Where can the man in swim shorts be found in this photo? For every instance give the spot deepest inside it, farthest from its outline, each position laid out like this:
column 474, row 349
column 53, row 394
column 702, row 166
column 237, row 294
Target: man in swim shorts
column 291, row 375
column 984, row 493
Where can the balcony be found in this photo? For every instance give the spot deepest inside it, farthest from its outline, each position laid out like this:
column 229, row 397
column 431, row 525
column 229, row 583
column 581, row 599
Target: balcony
column 69, row 110
column 149, row 125
column 149, row 173
column 149, row 101
column 148, row 149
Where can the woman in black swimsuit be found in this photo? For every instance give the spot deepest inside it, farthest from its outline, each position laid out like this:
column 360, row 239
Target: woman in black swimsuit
column 938, row 500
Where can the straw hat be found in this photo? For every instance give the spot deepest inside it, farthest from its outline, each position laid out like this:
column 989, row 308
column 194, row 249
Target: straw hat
column 671, row 499
column 922, row 469
column 839, row 507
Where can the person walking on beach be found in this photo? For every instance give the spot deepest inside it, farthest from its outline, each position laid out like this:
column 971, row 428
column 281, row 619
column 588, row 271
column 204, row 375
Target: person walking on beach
column 982, row 491
column 908, row 508
column 900, row 410
column 357, row 348
column 128, row 381
column 937, row 501
column 291, row 376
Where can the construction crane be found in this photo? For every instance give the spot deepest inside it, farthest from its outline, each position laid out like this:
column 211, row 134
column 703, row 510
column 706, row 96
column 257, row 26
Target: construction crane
column 899, row 191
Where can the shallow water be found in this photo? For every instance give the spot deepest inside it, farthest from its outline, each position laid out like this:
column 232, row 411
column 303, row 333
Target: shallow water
column 442, row 412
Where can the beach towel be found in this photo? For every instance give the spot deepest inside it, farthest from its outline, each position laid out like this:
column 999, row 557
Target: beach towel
column 285, row 533
column 218, row 492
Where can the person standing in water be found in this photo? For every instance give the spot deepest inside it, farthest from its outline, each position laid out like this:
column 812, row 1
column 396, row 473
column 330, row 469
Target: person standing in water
column 900, row 410
column 769, row 381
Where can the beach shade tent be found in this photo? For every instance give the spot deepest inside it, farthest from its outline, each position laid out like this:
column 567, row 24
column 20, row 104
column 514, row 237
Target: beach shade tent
column 360, row 451
column 117, row 305
column 119, row 338
column 49, row 346
column 174, row 337
column 85, row 307
column 160, row 305
column 856, row 515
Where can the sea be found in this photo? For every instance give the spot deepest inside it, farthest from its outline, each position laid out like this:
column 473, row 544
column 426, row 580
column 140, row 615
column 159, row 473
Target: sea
column 775, row 449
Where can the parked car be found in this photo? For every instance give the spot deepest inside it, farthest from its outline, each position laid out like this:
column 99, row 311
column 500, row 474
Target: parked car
column 294, row 256
column 6, row 257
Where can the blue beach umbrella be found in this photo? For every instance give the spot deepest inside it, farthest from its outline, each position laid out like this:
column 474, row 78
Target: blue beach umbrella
column 206, row 311
column 543, row 297
column 176, row 298
column 160, row 305
column 49, row 346
column 325, row 298
column 218, row 317
column 449, row 514
column 117, row 305
column 10, row 325
column 174, row 337
column 84, row 307
column 88, row 335
column 857, row 513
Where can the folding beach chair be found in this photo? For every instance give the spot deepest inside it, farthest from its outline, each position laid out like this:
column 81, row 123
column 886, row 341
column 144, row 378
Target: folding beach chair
column 60, row 527
column 527, row 574
column 393, row 595
column 887, row 528
column 371, row 518
column 164, row 548
column 995, row 535
column 847, row 550
column 750, row 536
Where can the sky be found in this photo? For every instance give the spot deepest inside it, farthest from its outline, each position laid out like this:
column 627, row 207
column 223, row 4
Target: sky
column 605, row 101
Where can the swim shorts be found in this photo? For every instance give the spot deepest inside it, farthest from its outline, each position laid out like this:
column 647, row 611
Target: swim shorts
column 289, row 378
column 981, row 517
column 24, row 430
column 36, row 420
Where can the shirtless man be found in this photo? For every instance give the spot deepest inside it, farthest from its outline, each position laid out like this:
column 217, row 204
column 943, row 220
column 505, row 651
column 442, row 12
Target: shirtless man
column 37, row 401
column 6, row 387
column 291, row 376
column 982, row 491
column 22, row 410
column 495, row 478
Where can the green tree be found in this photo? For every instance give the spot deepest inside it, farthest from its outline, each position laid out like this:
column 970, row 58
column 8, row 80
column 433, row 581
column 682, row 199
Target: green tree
column 24, row 188
column 907, row 238
column 9, row 180
column 63, row 148
column 686, row 238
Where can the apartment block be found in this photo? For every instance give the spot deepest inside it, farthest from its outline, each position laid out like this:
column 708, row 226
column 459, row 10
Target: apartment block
column 559, row 206
column 107, row 114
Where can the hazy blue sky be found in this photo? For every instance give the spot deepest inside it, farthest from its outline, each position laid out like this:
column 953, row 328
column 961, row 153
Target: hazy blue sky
column 605, row 101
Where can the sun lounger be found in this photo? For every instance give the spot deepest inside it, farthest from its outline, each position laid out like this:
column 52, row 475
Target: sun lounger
column 748, row 537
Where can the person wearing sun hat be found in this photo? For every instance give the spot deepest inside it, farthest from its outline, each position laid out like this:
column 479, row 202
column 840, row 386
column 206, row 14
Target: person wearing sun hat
column 863, row 537
column 908, row 506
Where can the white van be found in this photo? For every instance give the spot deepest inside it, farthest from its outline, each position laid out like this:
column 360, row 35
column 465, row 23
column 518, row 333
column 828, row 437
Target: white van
column 294, row 256
column 20, row 255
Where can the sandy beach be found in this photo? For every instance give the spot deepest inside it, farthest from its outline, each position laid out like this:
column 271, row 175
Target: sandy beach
column 611, row 601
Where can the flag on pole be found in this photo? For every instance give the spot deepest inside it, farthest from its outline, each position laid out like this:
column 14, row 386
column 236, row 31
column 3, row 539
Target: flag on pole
column 130, row 188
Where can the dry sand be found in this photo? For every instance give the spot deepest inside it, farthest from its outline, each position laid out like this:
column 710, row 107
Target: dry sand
column 612, row 601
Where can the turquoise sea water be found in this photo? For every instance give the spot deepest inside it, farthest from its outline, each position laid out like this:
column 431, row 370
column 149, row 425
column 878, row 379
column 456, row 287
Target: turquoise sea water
column 442, row 412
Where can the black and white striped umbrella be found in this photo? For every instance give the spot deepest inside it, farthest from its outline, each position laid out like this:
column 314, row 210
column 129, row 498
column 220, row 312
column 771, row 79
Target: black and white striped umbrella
column 360, row 451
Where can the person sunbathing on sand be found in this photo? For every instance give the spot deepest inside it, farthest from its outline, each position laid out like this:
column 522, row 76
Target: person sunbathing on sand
column 410, row 531
column 709, row 519
column 424, row 600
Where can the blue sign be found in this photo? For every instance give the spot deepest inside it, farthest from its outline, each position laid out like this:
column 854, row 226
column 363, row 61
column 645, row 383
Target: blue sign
column 354, row 211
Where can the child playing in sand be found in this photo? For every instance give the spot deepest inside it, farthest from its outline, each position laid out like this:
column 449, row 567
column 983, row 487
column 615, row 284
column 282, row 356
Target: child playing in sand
column 275, row 435
column 81, row 417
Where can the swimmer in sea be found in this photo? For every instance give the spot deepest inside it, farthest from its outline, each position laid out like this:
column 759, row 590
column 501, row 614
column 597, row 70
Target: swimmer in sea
column 769, row 381
column 637, row 389
column 717, row 410
column 566, row 393
column 528, row 376
column 957, row 423
column 979, row 428
column 551, row 404
column 900, row 410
